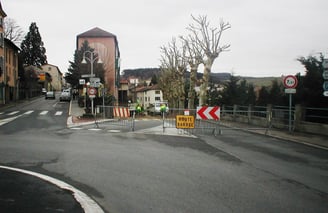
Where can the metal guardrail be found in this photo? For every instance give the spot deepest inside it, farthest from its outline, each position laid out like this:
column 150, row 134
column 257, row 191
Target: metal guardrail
column 227, row 122
column 231, row 117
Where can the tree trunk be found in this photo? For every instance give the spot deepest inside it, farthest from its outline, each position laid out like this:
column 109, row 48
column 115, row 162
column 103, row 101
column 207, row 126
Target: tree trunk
column 181, row 90
column 191, row 93
column 204, row 85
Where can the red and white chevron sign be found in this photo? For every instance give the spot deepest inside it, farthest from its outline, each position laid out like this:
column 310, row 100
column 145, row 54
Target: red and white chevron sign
column 208, row 113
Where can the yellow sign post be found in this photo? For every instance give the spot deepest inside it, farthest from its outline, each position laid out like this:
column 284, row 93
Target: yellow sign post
column 185, row 122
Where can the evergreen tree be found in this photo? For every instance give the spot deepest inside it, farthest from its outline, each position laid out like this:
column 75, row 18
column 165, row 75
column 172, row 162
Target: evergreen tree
column 33, row 51
column 230, row 92
column 154, row 80
column 276, row 94
column 242, row 93
column 251, row 96
column 309, row 89
column 264, row 97
column 76, row 68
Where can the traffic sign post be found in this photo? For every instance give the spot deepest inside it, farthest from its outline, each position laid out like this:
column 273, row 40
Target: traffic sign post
column 290, row 83
column 325, row 86
column 325, row 75
column 92, row 94
column 325, row 93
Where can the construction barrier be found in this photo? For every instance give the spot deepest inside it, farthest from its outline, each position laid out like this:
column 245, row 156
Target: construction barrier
column 116, row 116
column 121, row 112
column 207, row 120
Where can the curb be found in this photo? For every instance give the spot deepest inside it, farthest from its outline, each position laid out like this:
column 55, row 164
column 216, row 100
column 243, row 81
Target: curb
column 289, row 139
column 87, row 204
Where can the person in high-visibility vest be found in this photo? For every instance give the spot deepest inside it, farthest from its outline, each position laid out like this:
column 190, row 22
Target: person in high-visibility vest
column 138, row 109
column 163, row 108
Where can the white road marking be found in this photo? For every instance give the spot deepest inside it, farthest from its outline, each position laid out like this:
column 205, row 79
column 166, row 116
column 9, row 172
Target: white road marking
column 94, row 129
column 43, row 112
column 7, row 120
column 59, row 113
column 28, row 112
column 13, row 113
column 114, row 131
column 86, row 202
column 76, row 128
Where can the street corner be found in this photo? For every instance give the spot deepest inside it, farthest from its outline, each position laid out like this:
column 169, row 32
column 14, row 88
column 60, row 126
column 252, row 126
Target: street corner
column 35, row 192
column 79, row 121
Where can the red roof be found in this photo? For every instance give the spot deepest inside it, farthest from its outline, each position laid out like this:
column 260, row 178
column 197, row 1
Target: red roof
column 96, row 32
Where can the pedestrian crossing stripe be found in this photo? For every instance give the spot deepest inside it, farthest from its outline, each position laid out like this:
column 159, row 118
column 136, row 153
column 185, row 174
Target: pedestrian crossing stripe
column 43, row 112
column 14, row 116
column 13, row 113
column 59, row 113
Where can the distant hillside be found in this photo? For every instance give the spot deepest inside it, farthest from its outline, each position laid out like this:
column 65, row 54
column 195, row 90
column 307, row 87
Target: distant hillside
column 261, row 81
column 141, row 73
column 148, row 73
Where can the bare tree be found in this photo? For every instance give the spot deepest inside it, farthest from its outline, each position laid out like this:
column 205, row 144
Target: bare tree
column 194, row 56
column 173, row 62
column 207, row 39
column 13, row 32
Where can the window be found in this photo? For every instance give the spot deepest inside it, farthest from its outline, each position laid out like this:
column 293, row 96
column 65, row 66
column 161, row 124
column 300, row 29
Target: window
column 157, row 98
column 1, row 39
column 1, row 65
column 157, row 92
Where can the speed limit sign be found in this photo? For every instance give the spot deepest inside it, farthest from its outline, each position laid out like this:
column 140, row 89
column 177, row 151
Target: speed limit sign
column 92, row 92
column 290, row 81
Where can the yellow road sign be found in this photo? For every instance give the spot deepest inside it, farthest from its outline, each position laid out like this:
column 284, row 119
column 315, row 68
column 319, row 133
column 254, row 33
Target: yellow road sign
column 185, row 122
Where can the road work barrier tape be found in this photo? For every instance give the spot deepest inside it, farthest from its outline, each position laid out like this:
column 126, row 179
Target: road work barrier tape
column 122, row 112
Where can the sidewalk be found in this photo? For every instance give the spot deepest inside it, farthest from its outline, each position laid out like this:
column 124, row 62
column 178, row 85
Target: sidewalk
column 297, row 137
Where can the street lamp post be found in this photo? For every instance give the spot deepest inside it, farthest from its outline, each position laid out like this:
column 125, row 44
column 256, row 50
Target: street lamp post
column 91, row 59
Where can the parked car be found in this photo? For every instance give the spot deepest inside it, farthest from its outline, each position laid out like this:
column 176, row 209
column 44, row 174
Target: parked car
column 65, row 95
column 155, row 108
column 50, row 94
column 44, row 91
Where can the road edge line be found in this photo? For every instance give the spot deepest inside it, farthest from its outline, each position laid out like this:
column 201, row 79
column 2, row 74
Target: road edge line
column 88, row 204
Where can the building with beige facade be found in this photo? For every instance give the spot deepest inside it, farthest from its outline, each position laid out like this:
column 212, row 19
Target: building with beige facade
column 3, row 79
column 11, row 70
column 56, row 77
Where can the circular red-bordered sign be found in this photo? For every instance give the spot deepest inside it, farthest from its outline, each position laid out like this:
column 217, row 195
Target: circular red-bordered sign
column 290, row 81
column 92, row 91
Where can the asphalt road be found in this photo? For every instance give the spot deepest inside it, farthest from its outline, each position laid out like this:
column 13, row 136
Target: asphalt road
column 134, row 172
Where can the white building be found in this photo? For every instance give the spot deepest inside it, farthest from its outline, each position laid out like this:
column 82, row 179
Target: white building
column 147, row 95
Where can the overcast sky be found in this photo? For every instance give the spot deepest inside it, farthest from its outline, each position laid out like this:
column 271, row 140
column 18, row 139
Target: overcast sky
column 266, row 36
